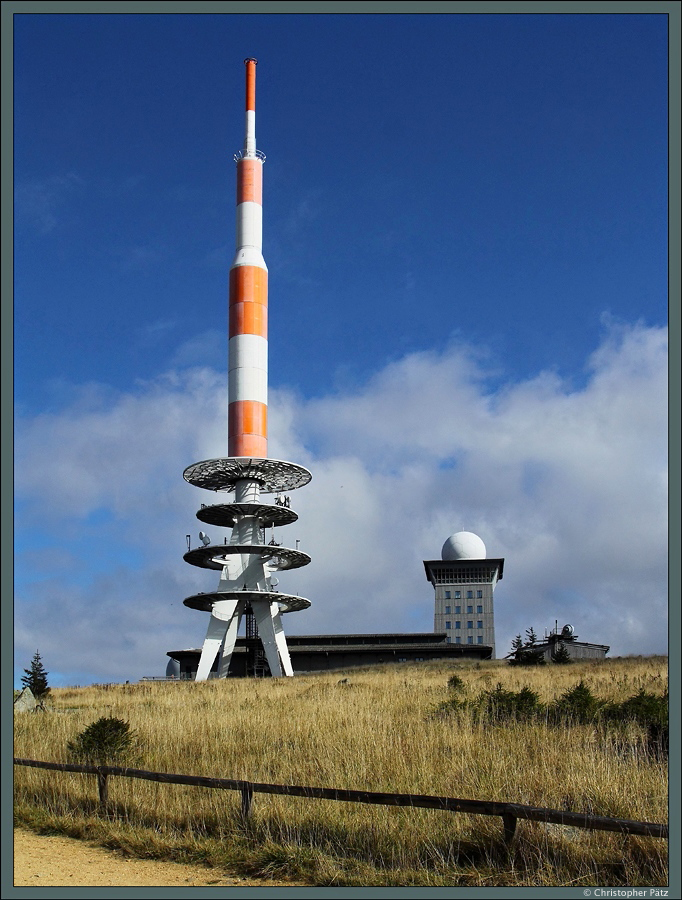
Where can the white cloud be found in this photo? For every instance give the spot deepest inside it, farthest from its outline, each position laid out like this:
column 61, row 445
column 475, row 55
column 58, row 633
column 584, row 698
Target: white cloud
column 568, row 484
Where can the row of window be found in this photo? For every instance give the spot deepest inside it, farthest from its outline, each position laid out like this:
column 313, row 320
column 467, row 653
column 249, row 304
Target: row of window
column 468, row 575
column 470, row 640
column 458, row 595
column 458, row 610
column 458, row 625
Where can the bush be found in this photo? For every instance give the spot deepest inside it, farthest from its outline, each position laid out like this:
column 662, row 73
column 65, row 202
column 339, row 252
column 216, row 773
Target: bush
column 650, row 711
column 578, row 705
column 529, row 658
column 500, row 705
column 496, row 706
column 455, row 683
column 108, row 741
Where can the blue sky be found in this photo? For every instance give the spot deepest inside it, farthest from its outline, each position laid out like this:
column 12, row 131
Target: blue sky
column 465, row 225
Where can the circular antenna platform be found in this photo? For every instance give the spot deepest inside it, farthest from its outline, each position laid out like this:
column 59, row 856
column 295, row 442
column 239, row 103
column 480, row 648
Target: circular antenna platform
column 287, row 602
column 226, row 514
column 216, row 557
column 273, row 475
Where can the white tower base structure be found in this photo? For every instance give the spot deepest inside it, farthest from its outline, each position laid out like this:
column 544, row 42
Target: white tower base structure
column 246, row 562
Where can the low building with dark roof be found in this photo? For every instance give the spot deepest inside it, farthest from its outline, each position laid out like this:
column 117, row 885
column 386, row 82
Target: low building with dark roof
column 328, row 652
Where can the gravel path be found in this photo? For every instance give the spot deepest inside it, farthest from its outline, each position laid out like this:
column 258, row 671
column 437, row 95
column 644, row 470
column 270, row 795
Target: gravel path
column 51, row 861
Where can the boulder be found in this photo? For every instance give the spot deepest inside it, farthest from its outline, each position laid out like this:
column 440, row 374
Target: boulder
column 25, row 701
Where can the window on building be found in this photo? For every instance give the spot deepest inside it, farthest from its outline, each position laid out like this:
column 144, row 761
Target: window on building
column 479, row 594
column 457, row 626
column 479, row 624
column 470, row 624
column 470, row 594
column 479, row 609
column 447, row 640
column 458, row 610
column 479, row 639
column 447, row 610
column 447, row 595
column 458, row 640
column 470, row 609
column 402, row 659
column 448, row 626
column 458, row 594
column 470, row 640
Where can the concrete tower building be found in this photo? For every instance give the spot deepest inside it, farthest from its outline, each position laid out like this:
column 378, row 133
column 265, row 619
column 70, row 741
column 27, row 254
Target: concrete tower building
column 464, row 581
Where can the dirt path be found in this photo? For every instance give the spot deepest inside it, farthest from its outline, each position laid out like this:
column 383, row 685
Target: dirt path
column 50, row 861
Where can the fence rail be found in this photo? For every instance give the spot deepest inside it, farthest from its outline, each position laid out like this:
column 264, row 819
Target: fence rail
column 510, row 813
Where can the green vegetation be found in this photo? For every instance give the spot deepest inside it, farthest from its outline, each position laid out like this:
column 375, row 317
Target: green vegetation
column 560, row 655
column 524, row 653
column 378, row 732
column 577, row 705
column 107, row 742
column 36, row 678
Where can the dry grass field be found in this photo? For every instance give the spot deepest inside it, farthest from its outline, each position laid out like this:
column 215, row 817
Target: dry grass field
column 377, row 731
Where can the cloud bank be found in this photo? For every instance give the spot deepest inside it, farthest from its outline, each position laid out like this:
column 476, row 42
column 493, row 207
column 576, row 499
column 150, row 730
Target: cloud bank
column 568, row 483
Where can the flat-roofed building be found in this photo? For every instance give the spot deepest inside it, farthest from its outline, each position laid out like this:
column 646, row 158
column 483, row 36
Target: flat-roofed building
column 328, row 652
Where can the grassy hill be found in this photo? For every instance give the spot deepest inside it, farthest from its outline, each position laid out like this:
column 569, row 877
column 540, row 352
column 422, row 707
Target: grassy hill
column 389, row 728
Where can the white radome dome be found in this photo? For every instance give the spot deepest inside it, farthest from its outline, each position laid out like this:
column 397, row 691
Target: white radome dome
column 463, row 545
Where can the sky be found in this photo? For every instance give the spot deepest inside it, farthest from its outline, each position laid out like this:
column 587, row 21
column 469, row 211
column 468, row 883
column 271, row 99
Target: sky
column 465, row 226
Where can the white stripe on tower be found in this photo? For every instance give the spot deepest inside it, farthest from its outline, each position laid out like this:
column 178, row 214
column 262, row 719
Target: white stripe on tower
column 248, row 344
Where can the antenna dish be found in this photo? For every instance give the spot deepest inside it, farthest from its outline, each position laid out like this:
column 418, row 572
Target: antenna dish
column 567, row 631
column 204, row 538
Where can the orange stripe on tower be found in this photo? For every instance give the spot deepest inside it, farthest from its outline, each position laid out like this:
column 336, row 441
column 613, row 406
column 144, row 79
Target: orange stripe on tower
column 250, row 84
column 249, row 301
column 250, row 181
column 247, row 422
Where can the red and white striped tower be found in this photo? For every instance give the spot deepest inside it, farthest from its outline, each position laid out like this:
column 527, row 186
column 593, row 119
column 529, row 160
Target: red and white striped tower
column 245, row 561
column 248, row 348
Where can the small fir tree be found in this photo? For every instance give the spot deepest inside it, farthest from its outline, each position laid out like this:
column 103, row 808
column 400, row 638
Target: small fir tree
column 526, row 654
column 561, row 655
column 36, row 678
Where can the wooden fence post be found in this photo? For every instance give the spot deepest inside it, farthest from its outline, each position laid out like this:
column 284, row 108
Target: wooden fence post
column 247, row 799
column 509, row 822
column 103, row 789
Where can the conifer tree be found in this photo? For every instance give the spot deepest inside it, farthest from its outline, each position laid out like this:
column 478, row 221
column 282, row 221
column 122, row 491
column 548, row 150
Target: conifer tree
column 526, row 654
column 561, row 655
column 36, row 678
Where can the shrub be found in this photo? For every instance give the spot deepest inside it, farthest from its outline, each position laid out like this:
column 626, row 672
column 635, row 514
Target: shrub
column 455, row 683
column 648, row 710
column 498, row 705
column 578, row 705
column 501, row 705
column 108, row 741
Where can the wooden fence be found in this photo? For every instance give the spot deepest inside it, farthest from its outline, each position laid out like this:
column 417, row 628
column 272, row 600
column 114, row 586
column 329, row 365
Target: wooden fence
column 509, row 812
